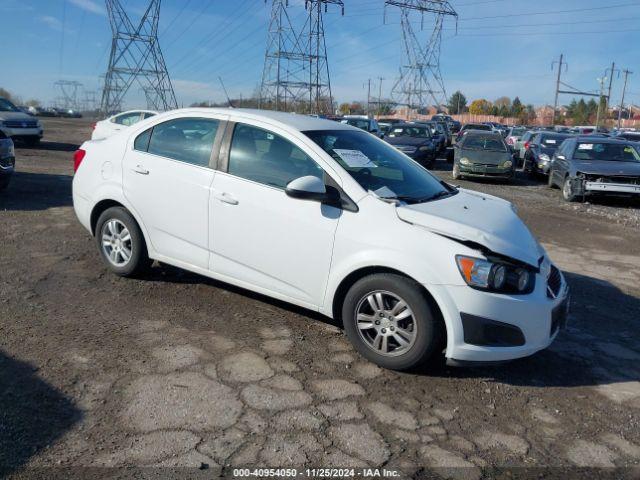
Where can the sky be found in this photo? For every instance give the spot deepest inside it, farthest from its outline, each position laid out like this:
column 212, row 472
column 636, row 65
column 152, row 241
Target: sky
column 498, row 48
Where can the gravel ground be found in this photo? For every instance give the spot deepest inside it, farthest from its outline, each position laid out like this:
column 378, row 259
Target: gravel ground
column 176, row 370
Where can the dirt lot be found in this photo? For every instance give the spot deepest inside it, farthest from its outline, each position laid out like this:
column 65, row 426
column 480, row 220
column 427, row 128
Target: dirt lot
column 180, row 371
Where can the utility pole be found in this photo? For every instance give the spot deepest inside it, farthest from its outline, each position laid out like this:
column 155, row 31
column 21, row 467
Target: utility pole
column 368, row 97
column 624, row 91
column 560, row 63
column 613, row 70
column 380, row 96
column 601, row 81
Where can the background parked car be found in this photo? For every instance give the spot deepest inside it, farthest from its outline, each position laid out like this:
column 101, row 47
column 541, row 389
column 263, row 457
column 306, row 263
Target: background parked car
column 415, row 141
column 7, row 160
column 473, row 126
column 631, row 136
column 18, row 125
column 591, row 165
column 363, row 122
column 522, row 144
column 438, row 133
column 514, row 135
column 46, row 112
column 107, row 127
column 483, row 154
column 543, row 145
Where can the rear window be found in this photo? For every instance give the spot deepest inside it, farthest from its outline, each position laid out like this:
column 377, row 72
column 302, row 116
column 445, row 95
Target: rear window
column 472, row 126
column 552, row 141
column 363, row 124
column 418, row 132
column 613, row 152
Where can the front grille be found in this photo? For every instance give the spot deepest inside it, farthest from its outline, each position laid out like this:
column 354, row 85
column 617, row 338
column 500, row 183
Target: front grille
column 554, row 282
column 21, row 123
column 618, row 179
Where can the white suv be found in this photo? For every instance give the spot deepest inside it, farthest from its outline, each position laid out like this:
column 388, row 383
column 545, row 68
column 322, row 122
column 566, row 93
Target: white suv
column 16, row 124
column 328, row 217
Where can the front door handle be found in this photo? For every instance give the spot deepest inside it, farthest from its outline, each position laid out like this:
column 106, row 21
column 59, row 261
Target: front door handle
column 226, row 198
column 141, row 170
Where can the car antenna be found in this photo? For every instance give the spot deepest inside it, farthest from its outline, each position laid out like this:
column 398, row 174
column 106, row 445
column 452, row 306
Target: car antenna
column 225, row 93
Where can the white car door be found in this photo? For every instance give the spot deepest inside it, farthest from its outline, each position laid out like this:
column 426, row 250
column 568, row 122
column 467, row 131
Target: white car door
column 167, row 176
column 261, row 237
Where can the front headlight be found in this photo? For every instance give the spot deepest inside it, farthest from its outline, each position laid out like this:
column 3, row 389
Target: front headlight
column 543, row 157
column 465, row 161
column 499, row 277
column 507, row 164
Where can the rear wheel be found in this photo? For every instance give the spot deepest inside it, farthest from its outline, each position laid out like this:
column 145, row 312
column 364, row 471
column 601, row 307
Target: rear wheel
column 390, row 322
column 121, row 243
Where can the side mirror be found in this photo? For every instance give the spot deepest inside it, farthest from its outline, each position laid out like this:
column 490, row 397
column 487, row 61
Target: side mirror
column 312, row 188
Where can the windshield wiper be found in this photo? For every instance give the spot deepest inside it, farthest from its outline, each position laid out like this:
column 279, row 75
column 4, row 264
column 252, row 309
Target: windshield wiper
column 409, row 199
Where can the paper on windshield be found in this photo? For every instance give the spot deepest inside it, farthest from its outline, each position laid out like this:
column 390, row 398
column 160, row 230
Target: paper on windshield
column 354, row 158
column 550, row 141
column 585, row 146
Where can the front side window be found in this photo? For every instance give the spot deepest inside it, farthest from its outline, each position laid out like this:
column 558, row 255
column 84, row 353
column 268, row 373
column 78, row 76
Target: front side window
column 613, row 152
column 188, row 140
column 264, row 157
column 379, row 167
column 127, row 119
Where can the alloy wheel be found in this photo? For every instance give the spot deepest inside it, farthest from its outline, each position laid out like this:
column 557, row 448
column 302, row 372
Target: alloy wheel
column 116, row 242
column 386, row 323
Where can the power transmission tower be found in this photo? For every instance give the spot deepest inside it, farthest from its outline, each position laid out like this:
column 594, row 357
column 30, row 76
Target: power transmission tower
column 420, row 81
column 136, row 56
column 296, row 69
column 68, row 94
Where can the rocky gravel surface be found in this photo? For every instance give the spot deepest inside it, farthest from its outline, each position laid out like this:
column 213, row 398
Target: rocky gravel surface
column 178, row 375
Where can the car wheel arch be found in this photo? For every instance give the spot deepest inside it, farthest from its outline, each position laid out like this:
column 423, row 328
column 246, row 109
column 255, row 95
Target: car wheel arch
column 107, row 203
column 347, row 282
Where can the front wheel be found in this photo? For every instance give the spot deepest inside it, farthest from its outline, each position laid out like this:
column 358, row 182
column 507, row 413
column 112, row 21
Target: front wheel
column 390, row 322
column 121, row 243
column 567, row 190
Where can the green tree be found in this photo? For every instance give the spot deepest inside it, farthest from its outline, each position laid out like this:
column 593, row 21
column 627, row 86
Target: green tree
column 517, row 108
column 480, row 107
column 457, row 103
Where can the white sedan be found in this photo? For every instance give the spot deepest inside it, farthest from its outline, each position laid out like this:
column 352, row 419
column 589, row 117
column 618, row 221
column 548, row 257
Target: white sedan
column 325, row 216
column 107, row 127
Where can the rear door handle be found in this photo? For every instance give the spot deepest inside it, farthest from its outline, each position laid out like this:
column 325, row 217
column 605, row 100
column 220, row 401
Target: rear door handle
column 226, row 198
column 141, row 170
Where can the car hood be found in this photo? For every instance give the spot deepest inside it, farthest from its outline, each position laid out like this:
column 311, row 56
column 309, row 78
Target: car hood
column 475, row 217
column 15, row 116
column 607, row 167
column 407, row 141
column 485, row 156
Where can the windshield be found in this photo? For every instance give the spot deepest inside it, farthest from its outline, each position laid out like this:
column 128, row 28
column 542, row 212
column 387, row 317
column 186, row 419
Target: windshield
column 7, row 106
column 483, row 142
column 356, row 122
column 613, row 152
column 380, row 168
column 409, row 131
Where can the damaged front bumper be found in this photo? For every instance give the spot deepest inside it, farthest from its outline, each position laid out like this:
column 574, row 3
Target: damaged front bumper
column 602, row 187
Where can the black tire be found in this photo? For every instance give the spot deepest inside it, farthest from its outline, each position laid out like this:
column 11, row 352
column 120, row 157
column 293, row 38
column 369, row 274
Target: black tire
column 429, row 329
column 138, row 261
column 567, row 190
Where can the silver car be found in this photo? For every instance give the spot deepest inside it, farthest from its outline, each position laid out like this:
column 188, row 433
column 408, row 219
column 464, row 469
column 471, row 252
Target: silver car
column 16, row 124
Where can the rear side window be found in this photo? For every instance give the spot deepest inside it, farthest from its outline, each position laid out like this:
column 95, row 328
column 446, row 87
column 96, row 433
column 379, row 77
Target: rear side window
column 127, row 119
column 148, row 115
column 142, row 141
column 188, row 140
column 267, row 158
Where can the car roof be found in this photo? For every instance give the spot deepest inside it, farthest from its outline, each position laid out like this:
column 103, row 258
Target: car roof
column 598, row 139
column 296, row 121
